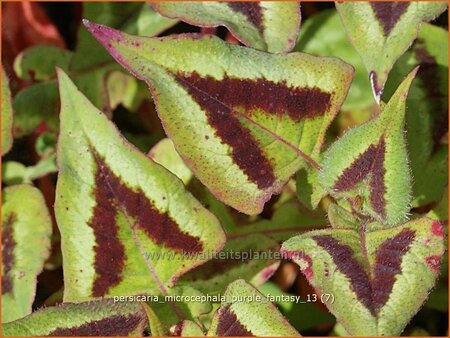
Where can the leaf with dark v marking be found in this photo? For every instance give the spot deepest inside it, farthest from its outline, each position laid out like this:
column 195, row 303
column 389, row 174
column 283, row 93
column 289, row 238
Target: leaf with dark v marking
column 370, row 163
column 379, row 277
column 243, row 121
column 127, row 224
column 247, row 312
column 266, row 25
column 382, row 31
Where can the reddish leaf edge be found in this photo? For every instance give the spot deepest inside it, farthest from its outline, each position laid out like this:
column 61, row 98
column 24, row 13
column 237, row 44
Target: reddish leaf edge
column 60, row 73
column 105, row 34
column 292, row 42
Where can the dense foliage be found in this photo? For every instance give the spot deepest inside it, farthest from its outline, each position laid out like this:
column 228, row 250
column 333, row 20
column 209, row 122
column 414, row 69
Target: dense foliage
column 285, row 174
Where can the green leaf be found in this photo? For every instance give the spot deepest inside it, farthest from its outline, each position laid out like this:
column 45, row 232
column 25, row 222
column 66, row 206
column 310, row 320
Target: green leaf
column 93, row 69
column 165, row 154
column 265, row 25
column 247, row 312
column 253, row 258
column 7, row 115
column 324, row 35
column 34, row 105
column 369, row 164
column 26, row 230
column 155, row 325
column 310, row 314
column 183, row 303
column 243, row 121
column 127, row 224
column 427, row 114
column 16, row 173
column 309, row 192
column 38, row 63
column 382, row 31
column 384, row 274
column 101, row 318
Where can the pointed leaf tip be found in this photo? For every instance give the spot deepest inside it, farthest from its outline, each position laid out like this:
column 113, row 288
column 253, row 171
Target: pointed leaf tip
column 103, row 34
column 370, row 162
column 237, row 150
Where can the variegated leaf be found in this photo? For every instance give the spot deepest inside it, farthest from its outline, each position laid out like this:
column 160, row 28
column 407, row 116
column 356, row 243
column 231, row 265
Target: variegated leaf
column 248, row 254
column 369, row 164
column 323, row 34
column 126, row 223
column 265, row 25
column 243, row 121
column 382, row 31
column 100, row 318
column 427, row 114
column 247, row 312
column 379, row 277
column 7, row 115
column 26, row 230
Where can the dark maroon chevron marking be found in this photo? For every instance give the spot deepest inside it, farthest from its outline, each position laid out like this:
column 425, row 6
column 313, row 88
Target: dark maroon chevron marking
column 219, row 98
column 270, row 97
column 111, row 326
column 342, row 256
column 388, row 259
column 357, row 171
column 251, row 10
column 370, row 161
column 113, row 196
column 8, row 245
column 229, row 325
column 377, row 187
column 388, row 13
column 435, row 87
column 109, row 250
